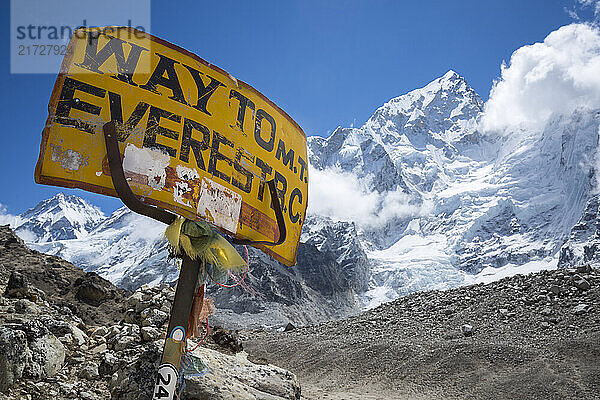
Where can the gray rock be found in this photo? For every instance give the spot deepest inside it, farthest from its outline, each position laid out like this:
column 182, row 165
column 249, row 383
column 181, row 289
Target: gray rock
column 230, row 377
column 13, row 347
column 580, row 309
column 108, row 364
column 234, row 377
column 17, row 287
column 24, row 306
column 154, row 318
column 89, row 372
column 47, row 357
column 92, row 293
column 547, row 311
column 124, row 342
column 467, row 330
column 289, row 327
column 100, row 331
column 150, row 333
column 582, row 284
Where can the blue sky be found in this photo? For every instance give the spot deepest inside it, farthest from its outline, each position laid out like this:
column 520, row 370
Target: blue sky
column 326, row 63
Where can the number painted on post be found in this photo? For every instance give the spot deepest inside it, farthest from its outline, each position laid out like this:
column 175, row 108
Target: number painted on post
column 166, row 380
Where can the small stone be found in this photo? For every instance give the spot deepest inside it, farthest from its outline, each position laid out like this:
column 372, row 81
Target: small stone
column 87, row 396
column 134, row 299
column 154, row 318
column 582, row 284
column 580, row 309
column 547, row 311
column 150, row 333
column 108, row 364
column 89, row 372
column 289, row 327
column 124, row 342
column 99, row 349
column 100, row 331
column 79, row 338
column 545, row 325
column 503, row 311
column 24, row 306
column 554, row 289
column 467, row 330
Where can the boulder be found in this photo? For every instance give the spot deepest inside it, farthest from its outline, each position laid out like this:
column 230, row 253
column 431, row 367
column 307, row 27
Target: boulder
column 227, row 339
column 18, row 286
column 229, row 378
column 47, row 357
column 13, row 345
column 234, row 377
column 92, row 293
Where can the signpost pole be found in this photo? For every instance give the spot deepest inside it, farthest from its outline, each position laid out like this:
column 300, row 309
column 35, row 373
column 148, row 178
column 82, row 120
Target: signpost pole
column 168, row 371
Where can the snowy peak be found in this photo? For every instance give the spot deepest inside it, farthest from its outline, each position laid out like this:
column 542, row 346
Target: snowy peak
column 409, row 140
column 58, row 218
column 441, row 110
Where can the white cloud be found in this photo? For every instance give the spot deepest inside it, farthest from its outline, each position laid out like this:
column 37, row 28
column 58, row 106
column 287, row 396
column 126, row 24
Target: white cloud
column 594, row 4
column 542, row 80
column 581, row 7
column 8, row 219
column 341, row 196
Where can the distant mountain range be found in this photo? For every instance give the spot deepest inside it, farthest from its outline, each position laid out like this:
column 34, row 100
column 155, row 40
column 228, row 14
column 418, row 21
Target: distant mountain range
column 432, row 202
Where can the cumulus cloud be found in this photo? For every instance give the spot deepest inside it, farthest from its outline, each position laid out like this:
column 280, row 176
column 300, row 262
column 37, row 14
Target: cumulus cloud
column 542, row 80
column 341, row 196
column 8, row 219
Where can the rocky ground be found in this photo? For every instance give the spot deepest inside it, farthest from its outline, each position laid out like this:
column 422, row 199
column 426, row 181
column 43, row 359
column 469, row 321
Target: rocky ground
column 65, row 334
column 524, row 337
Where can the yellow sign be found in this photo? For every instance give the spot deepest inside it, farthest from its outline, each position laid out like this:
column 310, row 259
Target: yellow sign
column 194, row 140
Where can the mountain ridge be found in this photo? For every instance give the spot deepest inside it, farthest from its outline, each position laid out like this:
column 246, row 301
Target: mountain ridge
column 431, row 202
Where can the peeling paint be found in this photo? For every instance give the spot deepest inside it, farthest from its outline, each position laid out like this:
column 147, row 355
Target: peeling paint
column 69, row 159
column 219, row 205
column 179, row 191
column 185, row 186
column 147, row 162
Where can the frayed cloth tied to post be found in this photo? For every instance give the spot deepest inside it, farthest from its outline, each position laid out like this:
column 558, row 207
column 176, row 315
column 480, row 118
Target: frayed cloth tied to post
column 200, row 241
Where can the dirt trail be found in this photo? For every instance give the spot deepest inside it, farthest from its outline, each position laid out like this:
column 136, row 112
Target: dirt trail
column 533, row 337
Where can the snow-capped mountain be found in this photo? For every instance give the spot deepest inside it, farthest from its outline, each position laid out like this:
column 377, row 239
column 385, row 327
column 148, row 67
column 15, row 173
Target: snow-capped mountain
column 58, row 218
column 473, row 201
column 126, row 248
column 129, row 250
column 423, row 198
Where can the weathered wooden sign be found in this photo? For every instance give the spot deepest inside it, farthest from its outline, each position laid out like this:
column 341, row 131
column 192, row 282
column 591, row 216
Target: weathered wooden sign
column 194, row 140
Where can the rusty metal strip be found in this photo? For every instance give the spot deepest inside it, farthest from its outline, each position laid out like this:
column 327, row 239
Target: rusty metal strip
column 280, row 221
column 120, row 183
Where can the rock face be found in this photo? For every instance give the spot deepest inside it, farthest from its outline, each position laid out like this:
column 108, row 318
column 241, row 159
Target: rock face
column 332, row 271
column 463, row 200
column 87, row 350
column 583, row 245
